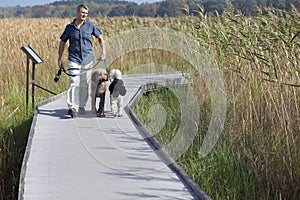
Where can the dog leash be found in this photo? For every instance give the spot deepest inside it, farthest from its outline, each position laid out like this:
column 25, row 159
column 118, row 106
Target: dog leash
column 62, row 69
column 67, row 72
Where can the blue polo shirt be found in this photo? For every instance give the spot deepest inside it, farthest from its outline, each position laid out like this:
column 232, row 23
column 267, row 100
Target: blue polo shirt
column 80, row 41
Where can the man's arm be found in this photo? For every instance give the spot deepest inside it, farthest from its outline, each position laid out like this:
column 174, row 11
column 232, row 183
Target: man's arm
column 61, row 49
column 102, row 44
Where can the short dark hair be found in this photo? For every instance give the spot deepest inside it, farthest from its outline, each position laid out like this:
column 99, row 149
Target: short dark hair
column 82, row 6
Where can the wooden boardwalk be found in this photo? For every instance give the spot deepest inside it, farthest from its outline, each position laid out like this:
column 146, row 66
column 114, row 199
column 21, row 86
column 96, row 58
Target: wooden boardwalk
column 100, row 158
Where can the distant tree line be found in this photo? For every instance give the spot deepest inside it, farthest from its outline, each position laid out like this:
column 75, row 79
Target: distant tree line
column 171, row 8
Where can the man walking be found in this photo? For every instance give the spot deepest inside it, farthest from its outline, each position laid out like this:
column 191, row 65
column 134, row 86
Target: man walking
column 80, row 57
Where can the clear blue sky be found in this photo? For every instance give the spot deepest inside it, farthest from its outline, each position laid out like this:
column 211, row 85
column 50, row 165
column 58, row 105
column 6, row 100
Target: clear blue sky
column 6, row 3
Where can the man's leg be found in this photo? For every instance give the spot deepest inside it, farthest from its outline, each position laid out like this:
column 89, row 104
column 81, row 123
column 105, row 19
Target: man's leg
column 84, row 86
column 73, row 89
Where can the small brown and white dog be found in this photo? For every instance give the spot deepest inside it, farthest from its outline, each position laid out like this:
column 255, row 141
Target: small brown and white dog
column 98, row 88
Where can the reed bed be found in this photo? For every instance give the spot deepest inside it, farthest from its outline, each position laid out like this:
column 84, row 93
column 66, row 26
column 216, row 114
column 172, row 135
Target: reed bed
column 258, row 154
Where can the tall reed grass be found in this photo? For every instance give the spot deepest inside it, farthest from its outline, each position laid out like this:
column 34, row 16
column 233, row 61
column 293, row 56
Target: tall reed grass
column 258, row 155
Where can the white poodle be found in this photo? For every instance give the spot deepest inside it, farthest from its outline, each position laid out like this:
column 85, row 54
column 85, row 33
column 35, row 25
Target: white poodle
column 117, row 92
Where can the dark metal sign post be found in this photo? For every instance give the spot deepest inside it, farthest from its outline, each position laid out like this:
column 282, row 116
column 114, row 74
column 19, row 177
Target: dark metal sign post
column 36, row 59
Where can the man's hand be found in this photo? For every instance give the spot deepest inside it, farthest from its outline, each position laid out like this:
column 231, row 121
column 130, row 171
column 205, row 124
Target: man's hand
column 102, row 57
column 60, row 63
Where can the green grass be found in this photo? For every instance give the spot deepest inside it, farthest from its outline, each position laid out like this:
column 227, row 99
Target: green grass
column 232, row 170
column 15, row 125
column 158, row 112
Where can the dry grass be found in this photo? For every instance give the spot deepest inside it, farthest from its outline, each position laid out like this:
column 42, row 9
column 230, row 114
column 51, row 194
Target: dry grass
column 259, row 57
